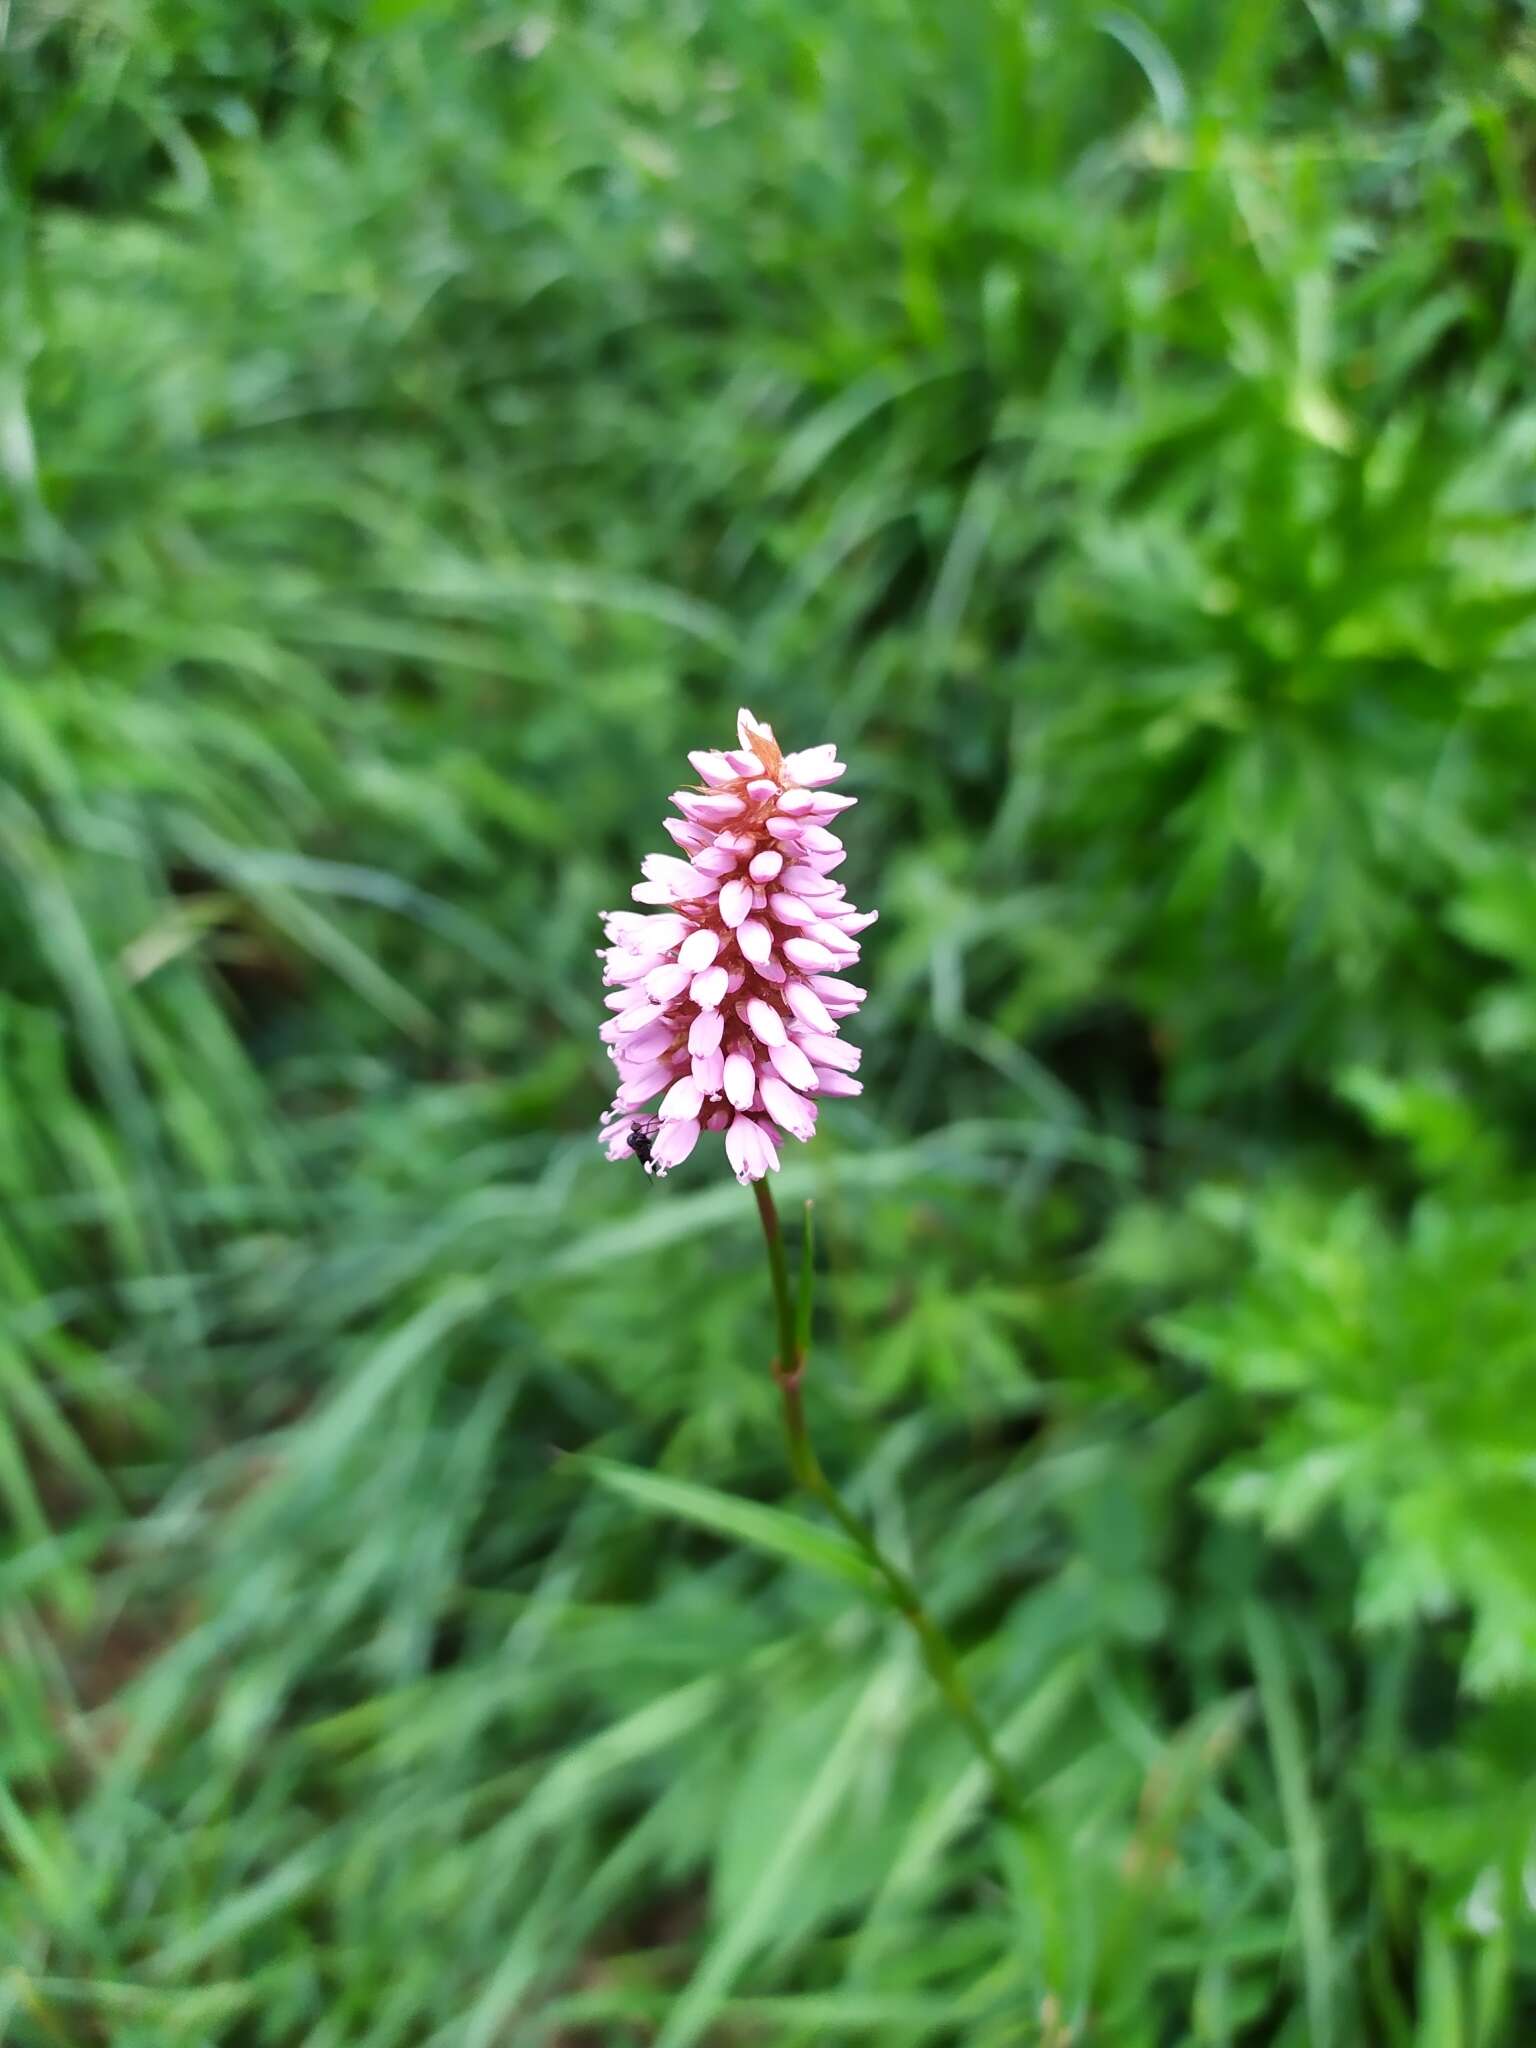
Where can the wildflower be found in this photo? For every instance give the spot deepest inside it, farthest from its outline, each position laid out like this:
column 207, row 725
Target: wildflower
column 729, row 987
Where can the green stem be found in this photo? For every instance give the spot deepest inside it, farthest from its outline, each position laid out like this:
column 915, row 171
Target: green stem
column 783, row 1300
column 938, row 1652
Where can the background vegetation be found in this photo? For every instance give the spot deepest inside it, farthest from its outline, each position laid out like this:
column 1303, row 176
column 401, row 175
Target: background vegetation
column 419, row 425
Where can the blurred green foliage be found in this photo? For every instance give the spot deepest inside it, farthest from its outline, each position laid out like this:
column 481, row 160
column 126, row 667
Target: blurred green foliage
column 419, row 425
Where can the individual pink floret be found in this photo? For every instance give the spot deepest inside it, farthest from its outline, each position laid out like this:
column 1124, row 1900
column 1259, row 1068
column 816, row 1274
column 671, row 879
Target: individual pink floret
column 729, row 993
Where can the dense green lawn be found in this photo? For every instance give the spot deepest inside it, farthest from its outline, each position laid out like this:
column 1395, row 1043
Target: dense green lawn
column 419, row 426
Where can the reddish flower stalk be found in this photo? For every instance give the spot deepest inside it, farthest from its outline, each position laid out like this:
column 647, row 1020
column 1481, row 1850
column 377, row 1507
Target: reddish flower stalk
column 728, row 998
column 938, row 1652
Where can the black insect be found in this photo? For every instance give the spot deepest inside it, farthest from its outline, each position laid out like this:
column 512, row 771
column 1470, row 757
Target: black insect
column 642, row 1138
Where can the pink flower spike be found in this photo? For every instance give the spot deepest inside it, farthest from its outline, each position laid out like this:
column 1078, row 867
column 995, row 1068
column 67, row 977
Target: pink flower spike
column 698, row 950
column 683, row 1099
column 735, row 902
column 764, row 1022
column 672, row 1144
column 721, row 1011
column 740, row 1080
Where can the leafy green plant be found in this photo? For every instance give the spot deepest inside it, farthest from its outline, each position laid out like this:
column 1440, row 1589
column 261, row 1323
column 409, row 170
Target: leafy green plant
column 1373, row 1413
